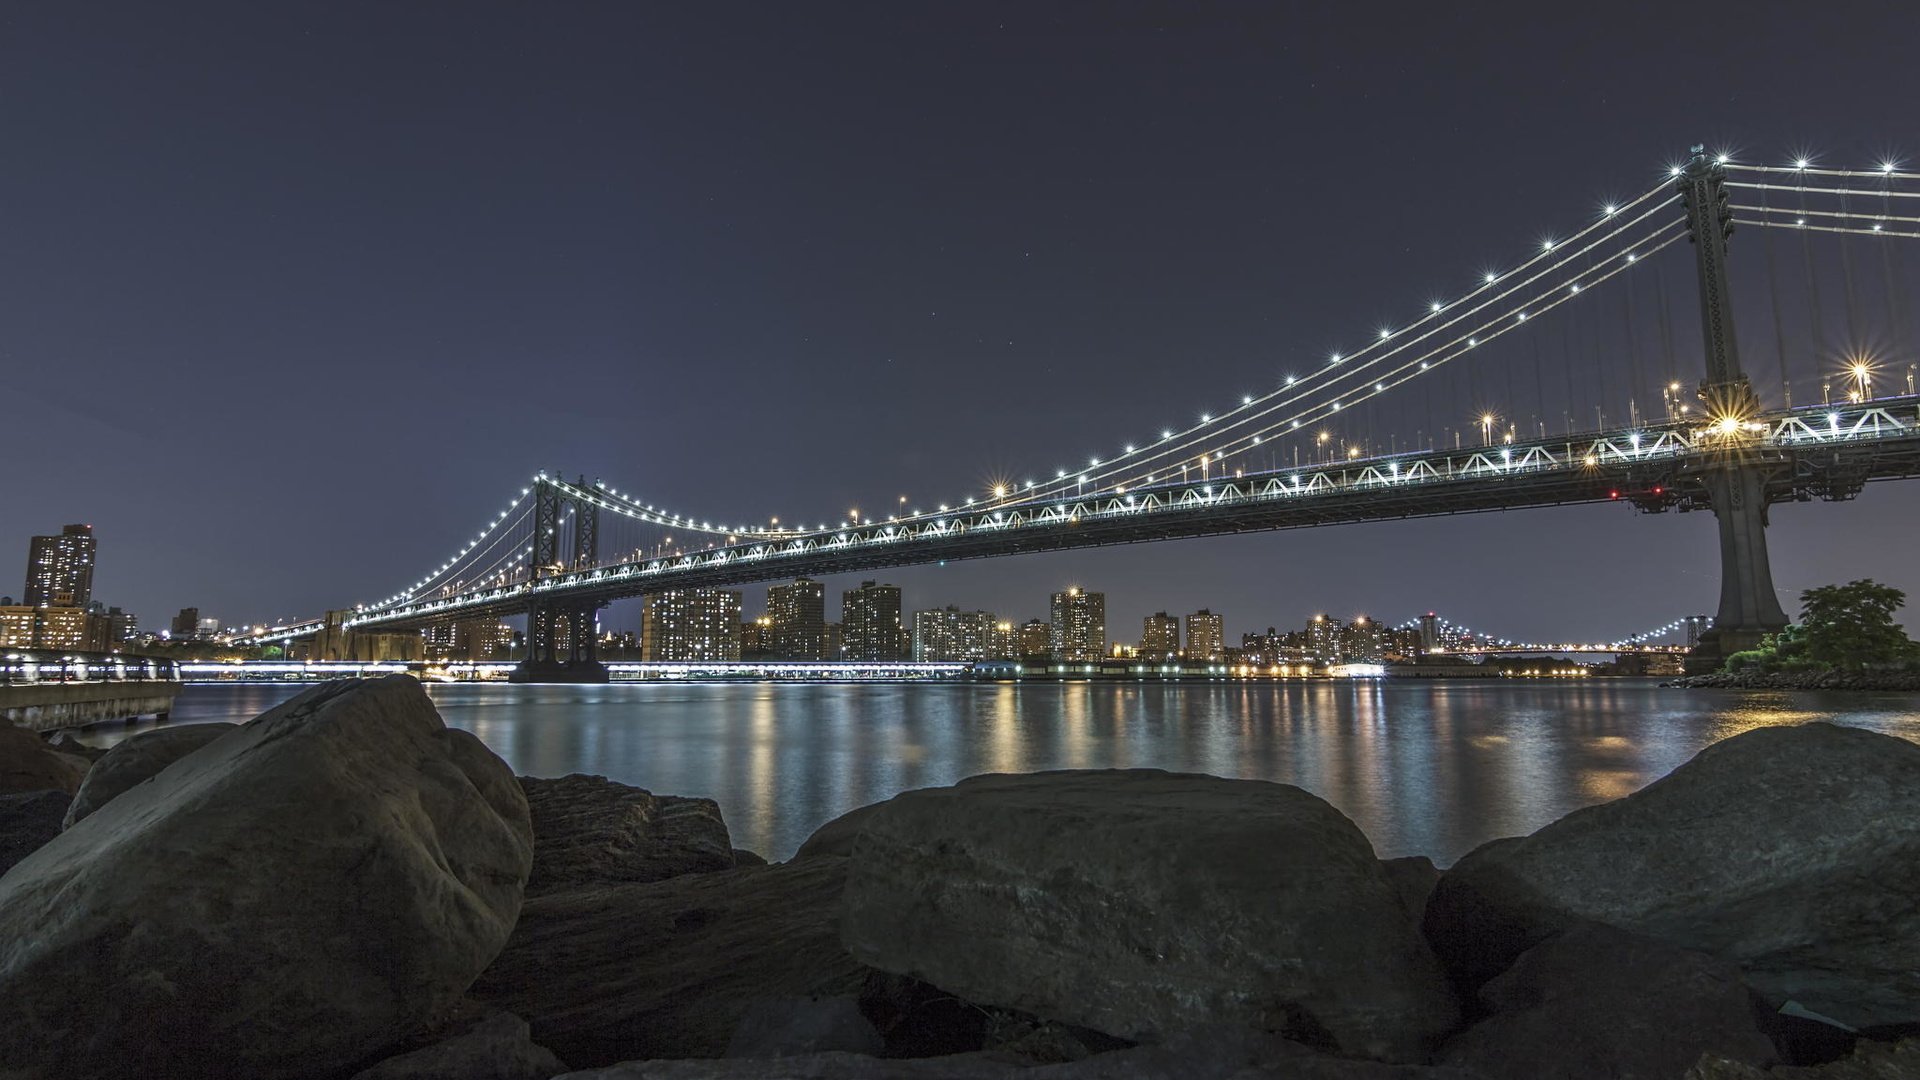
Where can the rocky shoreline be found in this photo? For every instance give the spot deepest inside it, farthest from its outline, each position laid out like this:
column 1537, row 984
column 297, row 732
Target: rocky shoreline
column 345, row 889
column 1801, row 680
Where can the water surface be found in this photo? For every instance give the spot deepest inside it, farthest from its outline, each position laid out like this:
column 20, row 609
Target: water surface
column 1432, row 768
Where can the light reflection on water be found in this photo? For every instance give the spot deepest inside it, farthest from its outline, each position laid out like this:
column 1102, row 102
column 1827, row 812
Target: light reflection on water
column 1432, row 768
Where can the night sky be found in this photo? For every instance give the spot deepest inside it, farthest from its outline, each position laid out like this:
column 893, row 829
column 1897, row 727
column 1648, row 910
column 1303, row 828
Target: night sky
column 293, row 295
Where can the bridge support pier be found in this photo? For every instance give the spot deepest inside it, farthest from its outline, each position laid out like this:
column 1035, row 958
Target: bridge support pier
column 561, row 646
column 1749, row 607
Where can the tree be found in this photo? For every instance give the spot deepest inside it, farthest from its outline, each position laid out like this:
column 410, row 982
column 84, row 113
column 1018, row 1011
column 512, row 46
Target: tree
column 1851, row 627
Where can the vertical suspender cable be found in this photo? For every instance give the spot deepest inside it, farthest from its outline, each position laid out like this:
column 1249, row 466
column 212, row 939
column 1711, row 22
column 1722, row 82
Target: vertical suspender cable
column 1638, row 386
column 1773, row 301
column 1846, row 275
column 1898, row 343
column 1666, row 325
column 1813, row 297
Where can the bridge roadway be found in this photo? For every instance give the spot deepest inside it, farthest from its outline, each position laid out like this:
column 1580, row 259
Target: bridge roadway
column 1812, row 452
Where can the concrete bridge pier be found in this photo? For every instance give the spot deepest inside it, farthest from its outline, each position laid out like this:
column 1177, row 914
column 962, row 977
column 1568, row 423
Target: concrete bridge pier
column 561, row 646
column 1749, row 607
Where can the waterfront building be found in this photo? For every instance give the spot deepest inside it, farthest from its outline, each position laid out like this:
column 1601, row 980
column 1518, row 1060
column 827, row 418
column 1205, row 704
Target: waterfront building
column 1403, row 645
column 870, row 622
column 756, row 639
column 69, row 629
column 122, row 626
column 1365, row 642
column 1035, row 638
column 690, row 624
column 1160, row 637
column 60, row 569
column 16, row 626
column 949, row 635
column 1003, row 643
column 1206, row 636
column 1079, row 629
column 797, row 620
column 1326, row 639
column 833, row 642
column 1429, row 632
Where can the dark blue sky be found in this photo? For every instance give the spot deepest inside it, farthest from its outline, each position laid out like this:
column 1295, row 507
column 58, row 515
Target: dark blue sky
column 292, row 295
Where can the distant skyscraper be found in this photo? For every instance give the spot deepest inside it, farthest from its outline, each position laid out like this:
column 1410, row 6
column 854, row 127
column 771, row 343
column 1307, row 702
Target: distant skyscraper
column 1325, row 639
column 121, row 625
column 60, row 568
column 1035, row 638
column 186, row 625
column 949, row 635
column 797, row 614
column 1206, row 636
column 1366, row 641
column 870, row 622
column 1160, row 637
column 756, row 639
column 690, row 624
column 1079, row 625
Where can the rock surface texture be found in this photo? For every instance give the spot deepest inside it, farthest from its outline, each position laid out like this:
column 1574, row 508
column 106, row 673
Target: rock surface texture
column 1869, row 1061
column 788, row 1027
column 27, row 763
column 136, row 760
column 1140, row 903
column 493, row 1046
column 28, row 820
column 286, row 902
column 589, row 830
column 1792, row 851
column 1597, row 1003
column 836, row 837
column 668, row 969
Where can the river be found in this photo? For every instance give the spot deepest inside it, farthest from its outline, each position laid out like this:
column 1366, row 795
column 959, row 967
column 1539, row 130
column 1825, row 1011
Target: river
column 1431, row 768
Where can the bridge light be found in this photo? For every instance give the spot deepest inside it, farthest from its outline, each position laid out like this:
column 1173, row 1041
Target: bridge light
column 1206, row 418
column 1129, row 448
column 1887, row 166
column 1491, row 277
column 1801, row 163
column 1291, row 380
column 1385, row 333
column 1434, row 307
column 1334, row 359
column 1546, row 245
column 1609, row 210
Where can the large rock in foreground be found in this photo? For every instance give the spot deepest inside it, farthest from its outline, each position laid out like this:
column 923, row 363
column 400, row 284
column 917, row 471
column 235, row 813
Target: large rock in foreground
column 28, row 820
column 1792, row 851
column 589, row 830
column 27, row 763
column 1868, row 1061
column 138, row 759
column 1140, row 903
column 1597, row 1003
column 287, row 902
column 669, row 968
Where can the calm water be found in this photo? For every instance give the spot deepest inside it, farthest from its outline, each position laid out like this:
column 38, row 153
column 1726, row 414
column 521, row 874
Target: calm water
column 1424, row 768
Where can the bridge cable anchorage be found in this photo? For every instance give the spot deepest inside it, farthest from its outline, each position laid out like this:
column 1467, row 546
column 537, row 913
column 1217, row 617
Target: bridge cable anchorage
column 1354, row 368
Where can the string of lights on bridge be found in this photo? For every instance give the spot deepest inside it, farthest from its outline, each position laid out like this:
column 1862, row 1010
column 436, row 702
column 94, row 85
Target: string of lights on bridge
column 1475, row 637
column 1559, row 271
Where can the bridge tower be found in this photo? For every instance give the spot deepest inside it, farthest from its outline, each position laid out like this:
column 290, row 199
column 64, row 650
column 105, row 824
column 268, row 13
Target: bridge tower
column 561, row 644
column 1736, row 478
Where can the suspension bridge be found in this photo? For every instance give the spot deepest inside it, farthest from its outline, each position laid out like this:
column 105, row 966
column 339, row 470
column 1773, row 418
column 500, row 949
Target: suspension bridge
column 1470, row 406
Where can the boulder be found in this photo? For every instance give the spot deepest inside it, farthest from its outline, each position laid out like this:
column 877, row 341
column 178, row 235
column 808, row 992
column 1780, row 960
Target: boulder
column 1413, row 878
column 136, row 759
column 788, row 1027
column 669, row 968
column 64, row 742
column 744, row 857
column 1792, row 851
column 1869, row 1061
column 28, row 819
column 589, row 830
column 836, row 837
column 289, row 901
column 1595, row 1003
column 27, row 763
column 492, row 1046
column 1139, row 903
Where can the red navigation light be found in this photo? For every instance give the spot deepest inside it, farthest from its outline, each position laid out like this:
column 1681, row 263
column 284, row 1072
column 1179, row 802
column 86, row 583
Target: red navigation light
column 1613, row 494
column 1659, row 490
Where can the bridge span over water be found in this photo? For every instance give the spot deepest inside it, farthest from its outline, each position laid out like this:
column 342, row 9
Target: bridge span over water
column 1312, row 452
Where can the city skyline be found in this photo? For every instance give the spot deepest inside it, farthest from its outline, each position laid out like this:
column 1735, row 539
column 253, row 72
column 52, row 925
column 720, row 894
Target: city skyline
column 1004, row 249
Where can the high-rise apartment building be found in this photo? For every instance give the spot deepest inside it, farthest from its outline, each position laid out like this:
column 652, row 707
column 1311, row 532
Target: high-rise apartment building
column 1079, row 625
column 690, row 624
column 1206, row 636
column 1326, row 639
column 60, row 569
column 1366, row 641
column 186, row 625
column 949, row 635
column 797, row 626
column 870, row 622
column 1160, row 637
column 1035, row 638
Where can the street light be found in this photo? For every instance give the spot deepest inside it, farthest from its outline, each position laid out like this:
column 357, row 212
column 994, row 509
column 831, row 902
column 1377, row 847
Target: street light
column 1862, row 373
column 1486, row 428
